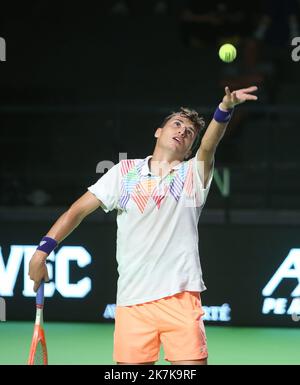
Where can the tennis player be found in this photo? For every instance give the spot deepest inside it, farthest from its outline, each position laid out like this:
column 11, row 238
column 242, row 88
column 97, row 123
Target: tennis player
column 159, row 201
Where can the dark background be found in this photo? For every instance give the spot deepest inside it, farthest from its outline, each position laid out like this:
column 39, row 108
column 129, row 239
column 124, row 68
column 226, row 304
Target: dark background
column 83, row 82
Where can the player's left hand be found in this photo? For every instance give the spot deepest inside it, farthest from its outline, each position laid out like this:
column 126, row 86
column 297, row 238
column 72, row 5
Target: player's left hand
column 232, row 99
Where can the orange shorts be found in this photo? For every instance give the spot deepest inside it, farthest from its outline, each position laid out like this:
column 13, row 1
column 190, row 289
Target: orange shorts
column 174, row 321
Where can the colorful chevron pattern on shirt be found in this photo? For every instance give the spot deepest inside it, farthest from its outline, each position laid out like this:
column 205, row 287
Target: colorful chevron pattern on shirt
column 141, row 188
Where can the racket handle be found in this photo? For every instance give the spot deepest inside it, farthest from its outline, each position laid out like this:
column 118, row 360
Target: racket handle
column 40, row 295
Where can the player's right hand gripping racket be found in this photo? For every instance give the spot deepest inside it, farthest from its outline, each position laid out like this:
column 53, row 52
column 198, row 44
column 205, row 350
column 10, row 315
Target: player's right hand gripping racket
column 38, row 350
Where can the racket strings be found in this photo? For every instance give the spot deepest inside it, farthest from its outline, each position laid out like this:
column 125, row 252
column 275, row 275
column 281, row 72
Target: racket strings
column 39, row 355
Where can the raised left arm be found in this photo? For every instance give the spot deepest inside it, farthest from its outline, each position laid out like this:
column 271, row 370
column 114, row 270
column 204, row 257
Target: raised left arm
column 217, row 127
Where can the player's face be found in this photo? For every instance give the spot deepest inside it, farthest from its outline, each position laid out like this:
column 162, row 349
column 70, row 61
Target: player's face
column 177, row 134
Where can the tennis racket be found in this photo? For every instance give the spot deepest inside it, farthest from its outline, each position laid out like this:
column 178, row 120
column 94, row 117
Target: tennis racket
column 38, row 349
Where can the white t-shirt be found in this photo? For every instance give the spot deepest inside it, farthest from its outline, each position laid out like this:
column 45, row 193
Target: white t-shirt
column 157, row 237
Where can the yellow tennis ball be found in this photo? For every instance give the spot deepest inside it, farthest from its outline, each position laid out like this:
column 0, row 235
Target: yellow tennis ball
column 227, row 53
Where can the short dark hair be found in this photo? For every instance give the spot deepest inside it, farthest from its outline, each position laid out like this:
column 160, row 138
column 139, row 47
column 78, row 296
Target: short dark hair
column 197, row 121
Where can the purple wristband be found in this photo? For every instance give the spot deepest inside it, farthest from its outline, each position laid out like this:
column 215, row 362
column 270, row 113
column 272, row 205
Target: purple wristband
column 47, row 245
column 222, row 116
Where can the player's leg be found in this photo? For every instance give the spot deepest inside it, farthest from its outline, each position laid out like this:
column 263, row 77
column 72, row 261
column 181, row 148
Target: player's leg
column 136, row 338
column 183, row 336
column 140, row 363
column 190, row 362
